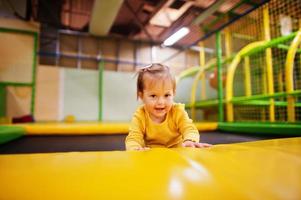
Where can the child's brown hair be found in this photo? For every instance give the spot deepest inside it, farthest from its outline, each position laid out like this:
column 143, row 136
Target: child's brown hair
column 156, row 70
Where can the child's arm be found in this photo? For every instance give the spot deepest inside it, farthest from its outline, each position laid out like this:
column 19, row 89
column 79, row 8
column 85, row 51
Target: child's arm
column 190, row 133
column 135, row 138
column 186, row 126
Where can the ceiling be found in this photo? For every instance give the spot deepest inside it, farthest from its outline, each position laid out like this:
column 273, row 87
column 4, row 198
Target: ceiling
column 150, row 20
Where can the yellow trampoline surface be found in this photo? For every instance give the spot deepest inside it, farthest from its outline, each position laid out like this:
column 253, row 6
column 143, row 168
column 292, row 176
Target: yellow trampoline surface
column 269, row 169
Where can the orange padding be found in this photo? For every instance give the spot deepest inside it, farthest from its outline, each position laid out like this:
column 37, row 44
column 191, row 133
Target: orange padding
column 94, row 128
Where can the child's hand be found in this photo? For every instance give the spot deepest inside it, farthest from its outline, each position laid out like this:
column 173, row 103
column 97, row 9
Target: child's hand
column 189, row 143
column 201, row 145
column 141, row 148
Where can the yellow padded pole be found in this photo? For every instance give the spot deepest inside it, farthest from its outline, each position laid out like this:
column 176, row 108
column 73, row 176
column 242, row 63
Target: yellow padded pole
column 269, row 64
column 281, row 86
column 228, row 51
column 229, row 87
column 300, row 44
column 248, row 90
column 230, row 77
column 193, row 92
column 289, row 76
column 228, row 42
column 202, row 65
column 280, row 81
column 197, row 77
column 200, row 75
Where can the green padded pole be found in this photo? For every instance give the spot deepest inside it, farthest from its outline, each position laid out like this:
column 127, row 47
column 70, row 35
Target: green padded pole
column 34, row 75
column 219, row 77
column 101, row 66
column 2, row 101
column 272, row 43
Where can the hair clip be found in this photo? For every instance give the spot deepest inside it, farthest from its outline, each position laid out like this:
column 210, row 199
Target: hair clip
column 145, row 68
column 157, row 67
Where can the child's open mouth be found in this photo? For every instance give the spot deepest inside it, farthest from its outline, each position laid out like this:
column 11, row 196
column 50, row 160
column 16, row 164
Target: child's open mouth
column 159, row 109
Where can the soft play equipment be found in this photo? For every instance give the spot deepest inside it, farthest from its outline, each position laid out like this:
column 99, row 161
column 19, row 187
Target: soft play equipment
column 269, row 169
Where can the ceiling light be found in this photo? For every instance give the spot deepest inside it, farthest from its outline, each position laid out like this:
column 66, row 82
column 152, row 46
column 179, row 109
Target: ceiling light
column 197, row 48
column 176, row 36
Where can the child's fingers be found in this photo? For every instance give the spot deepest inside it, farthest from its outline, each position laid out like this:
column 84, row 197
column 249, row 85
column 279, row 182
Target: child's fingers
column 206, row 145
column 141, row 148
column 201, row 145
column 188, row 144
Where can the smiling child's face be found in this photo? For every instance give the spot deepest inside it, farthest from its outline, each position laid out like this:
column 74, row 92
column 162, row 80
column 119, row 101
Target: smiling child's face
column 157, row 97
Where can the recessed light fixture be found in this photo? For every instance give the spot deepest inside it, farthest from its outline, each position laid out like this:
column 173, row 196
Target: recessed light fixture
column 176, row 36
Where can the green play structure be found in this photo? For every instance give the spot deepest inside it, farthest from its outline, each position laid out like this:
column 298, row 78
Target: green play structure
column 256, row 73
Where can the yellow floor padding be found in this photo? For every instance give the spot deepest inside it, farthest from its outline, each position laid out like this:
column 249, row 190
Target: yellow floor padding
column 268, row 169
column 75, row 128
column 206, row 126
column 90, row 128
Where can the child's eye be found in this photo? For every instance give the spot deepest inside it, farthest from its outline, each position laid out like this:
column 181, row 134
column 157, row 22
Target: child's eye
column 152, row 96
column 167, row 95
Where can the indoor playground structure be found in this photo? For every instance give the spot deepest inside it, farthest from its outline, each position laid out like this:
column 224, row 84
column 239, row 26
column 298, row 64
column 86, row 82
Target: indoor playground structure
column 245, row 78
column 258, row 83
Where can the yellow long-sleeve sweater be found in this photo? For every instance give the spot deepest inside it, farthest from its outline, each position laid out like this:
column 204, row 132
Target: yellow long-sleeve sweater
column 176, row 128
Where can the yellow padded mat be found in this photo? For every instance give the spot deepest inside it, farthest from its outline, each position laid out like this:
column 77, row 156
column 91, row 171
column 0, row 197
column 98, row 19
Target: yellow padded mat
column 90, row 128
column 268, row 169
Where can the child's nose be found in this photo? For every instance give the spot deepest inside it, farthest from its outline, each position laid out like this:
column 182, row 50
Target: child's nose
column 160, row 100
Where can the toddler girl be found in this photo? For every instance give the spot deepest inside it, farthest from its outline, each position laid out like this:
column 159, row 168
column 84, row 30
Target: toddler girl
column 160, row 122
